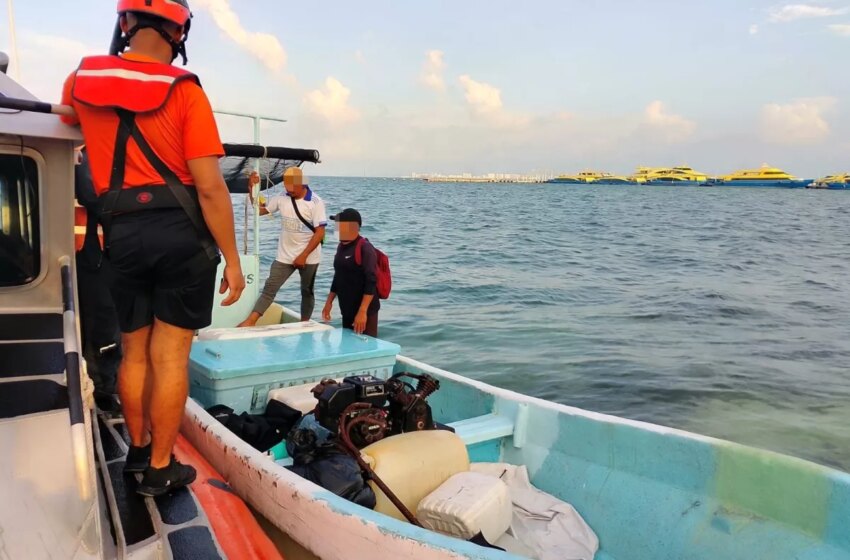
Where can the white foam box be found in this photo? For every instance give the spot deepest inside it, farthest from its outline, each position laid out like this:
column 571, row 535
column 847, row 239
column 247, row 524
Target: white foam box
column 466, row 504
column 299, row 397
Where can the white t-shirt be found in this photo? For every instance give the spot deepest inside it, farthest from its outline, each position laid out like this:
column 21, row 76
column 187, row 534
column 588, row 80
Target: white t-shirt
column 294, row 235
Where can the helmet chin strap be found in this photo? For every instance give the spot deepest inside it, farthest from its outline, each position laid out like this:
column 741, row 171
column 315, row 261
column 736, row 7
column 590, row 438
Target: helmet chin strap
column 120, row 42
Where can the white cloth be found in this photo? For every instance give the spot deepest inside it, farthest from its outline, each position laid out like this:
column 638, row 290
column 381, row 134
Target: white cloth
column 551, row 528
column 294, row 235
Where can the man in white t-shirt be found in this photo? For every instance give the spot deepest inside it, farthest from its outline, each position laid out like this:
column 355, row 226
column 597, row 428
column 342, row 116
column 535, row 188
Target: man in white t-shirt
column 304, row 220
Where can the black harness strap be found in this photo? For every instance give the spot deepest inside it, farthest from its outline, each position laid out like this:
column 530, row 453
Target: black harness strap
column 127, row 129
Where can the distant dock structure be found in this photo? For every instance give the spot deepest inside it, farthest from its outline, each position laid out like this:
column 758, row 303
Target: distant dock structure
column 487, row 178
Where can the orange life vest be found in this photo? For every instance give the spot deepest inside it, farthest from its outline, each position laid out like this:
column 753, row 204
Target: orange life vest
column 80, row 223
column 131, row 87
column 112, row 82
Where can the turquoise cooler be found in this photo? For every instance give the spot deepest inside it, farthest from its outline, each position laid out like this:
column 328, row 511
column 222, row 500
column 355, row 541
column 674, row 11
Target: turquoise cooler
column 240, row 373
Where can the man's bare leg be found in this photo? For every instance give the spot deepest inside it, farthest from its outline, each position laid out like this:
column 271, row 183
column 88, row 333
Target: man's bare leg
column 169, row 351
column 133, row 382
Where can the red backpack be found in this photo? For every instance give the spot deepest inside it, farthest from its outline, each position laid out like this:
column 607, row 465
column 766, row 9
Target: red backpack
column 382, row 269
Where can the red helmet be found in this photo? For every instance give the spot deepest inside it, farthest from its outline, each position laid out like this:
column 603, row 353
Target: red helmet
column 176, row 11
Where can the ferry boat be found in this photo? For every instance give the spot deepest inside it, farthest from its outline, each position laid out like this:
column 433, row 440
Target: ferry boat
column 645, row 174
column 610, row 179
column 839, row 181
column 641, row 491
column 581, row 178
column 678, row 176
column 765, row 176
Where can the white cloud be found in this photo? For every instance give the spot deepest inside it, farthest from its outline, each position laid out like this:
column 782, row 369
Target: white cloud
column 263, row 46
column 793, row 12
column 482, row 98
column 840, row 29
column 667, row 126
column 359, row 57
column 432, row 70
column 484, row 101
column 331, row 103
column 797, row 123
column 754, row 29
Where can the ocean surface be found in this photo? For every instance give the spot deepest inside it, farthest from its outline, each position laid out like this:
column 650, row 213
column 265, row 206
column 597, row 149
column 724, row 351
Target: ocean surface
column 721, row 311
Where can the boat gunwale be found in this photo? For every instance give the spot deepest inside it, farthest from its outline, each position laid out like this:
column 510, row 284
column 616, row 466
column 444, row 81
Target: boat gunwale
column 197, row 422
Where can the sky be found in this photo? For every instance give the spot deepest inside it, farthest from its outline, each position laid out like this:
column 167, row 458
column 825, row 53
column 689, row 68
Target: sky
column 388, row 88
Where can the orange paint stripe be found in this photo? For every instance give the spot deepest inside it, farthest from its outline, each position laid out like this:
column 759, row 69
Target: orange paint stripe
column 238, row 532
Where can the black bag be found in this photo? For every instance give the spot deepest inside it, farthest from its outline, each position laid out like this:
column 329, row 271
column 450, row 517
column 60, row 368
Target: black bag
column 261, row 431
column 334, row 470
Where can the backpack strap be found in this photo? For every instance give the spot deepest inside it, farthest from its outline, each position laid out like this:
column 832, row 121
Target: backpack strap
column 358, row 251
column 310, row 226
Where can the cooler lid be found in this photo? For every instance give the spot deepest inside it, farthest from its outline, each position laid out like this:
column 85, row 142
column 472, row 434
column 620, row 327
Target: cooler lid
column 226, row 359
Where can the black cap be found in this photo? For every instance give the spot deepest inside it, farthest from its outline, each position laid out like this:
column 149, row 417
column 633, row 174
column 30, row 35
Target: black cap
column 348, row 215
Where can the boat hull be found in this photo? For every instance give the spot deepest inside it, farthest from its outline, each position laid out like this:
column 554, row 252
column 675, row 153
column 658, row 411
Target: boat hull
column 649, row 492
column 796, row 184
column 615, row 182
column 558, row 181
column 830, row 186
column 657, row 183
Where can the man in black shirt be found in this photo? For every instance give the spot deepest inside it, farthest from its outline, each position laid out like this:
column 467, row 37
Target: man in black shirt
column 355, row 279
column 101, row 336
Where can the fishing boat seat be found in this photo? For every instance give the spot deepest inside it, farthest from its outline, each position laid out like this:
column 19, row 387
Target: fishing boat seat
column 480, row 429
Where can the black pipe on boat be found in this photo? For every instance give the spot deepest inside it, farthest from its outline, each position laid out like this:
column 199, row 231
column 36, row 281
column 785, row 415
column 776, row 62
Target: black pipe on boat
column 271, row 152
column 31, row 106
column 352, row 450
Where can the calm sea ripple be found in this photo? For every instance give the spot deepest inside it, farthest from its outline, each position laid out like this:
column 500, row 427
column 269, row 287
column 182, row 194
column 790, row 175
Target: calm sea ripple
column 721, row 311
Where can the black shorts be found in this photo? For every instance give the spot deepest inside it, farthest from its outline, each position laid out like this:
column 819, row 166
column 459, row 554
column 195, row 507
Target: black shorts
column 160, row 270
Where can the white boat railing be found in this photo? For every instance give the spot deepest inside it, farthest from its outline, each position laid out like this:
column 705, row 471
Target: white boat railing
column 73, row 379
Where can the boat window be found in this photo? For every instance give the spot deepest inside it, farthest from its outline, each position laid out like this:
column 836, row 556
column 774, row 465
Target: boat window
column 20, row 242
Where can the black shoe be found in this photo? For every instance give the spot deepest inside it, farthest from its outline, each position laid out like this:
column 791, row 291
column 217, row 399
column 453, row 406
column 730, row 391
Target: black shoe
column 157, row 482
column 138, row 459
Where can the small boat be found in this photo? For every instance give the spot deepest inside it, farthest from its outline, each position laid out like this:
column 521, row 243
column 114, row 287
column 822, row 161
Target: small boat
column 766, row 176
column 840, row 181
column 647, row 491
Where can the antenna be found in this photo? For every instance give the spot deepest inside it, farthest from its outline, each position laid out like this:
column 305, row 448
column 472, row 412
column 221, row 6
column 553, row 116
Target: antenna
column 14, row 41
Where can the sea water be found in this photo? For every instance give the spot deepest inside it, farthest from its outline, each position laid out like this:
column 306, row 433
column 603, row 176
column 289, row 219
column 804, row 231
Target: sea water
column 721, row 311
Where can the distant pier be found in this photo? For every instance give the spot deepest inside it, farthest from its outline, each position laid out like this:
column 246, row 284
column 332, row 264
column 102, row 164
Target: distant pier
column 488, row 178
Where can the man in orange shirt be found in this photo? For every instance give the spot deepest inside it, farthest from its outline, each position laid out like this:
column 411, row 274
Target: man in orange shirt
column 153, row 148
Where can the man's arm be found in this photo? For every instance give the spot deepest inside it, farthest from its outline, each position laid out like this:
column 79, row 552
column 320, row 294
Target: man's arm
column 314, row 242
column 67, row 99
column 370, row 264
column 218, row 214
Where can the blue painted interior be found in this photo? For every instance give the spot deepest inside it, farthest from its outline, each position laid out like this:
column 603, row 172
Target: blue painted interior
column 649, row 494
column 240, row 373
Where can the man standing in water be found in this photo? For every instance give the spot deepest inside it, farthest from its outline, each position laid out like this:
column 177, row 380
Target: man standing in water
column 355, row 277
column 165, row 208
column 299, row 248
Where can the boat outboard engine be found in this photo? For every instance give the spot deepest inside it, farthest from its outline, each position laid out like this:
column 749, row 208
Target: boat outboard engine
column 365, row 409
